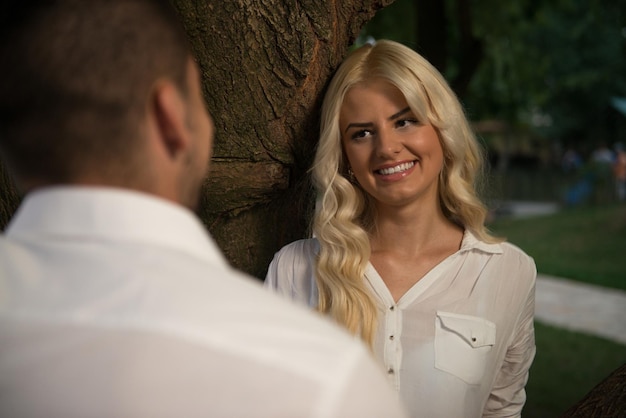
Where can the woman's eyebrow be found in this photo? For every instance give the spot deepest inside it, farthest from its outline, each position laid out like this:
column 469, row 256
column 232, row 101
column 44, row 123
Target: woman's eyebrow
column 369, row 124
column 358, row 125
column 400, row 113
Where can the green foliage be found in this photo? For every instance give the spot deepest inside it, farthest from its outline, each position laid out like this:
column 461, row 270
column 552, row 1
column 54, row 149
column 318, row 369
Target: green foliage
column 562, row 60
column 585, row 244
column 552, row 65
column 395, row 22
column 566, row 367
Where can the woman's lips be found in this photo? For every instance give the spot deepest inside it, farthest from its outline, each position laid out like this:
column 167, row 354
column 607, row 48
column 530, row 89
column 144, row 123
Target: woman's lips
column 399, row 168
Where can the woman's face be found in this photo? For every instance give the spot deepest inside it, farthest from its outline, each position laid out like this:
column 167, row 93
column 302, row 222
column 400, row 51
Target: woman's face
column 395, row 157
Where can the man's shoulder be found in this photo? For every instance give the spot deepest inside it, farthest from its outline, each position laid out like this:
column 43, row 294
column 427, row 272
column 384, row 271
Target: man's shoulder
column 227, row 308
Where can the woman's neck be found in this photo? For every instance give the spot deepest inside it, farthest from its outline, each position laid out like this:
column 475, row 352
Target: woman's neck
column 411, row 231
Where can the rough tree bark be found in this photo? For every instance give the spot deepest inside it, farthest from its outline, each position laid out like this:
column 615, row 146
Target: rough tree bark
column 265, row 64
column 606, row 400
column 9, row 196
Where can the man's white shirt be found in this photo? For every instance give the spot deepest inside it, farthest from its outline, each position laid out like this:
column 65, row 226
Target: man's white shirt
column 119, row 304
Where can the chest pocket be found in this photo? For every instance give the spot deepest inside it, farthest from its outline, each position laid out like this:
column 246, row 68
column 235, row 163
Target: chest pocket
column 463, row 344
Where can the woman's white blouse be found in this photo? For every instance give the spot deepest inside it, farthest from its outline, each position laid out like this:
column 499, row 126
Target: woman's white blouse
column 460, row 342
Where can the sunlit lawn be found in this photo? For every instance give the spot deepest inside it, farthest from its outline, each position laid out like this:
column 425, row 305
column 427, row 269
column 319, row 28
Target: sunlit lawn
column 585, row 244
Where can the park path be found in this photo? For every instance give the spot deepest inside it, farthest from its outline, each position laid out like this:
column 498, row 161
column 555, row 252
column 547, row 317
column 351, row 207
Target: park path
column 581, row 307
column 569, row 304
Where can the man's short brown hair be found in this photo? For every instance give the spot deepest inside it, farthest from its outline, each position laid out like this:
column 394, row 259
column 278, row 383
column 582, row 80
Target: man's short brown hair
column 75, row 80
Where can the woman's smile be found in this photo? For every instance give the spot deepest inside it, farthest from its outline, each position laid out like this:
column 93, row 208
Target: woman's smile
column 397, row 171
column 395, row 157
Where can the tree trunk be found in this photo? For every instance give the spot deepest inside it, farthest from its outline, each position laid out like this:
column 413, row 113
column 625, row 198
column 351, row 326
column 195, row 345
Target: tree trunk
column 470, row 47
column 606, row 400
column 434, row 41
column 9, row 196
column 432, row 32
column 265, row 64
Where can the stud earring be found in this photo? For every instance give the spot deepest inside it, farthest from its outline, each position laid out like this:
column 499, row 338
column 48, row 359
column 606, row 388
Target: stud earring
column 351, row 177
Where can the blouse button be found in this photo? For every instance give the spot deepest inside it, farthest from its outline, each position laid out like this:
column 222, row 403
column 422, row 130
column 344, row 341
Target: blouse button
column 391, row 337
column 391, row 308
column 390, row 370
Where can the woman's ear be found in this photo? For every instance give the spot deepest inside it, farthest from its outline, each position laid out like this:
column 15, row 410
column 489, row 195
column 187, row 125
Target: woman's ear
column 169, row 112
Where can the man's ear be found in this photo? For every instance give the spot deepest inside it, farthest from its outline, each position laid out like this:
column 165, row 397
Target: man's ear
column 168, row 108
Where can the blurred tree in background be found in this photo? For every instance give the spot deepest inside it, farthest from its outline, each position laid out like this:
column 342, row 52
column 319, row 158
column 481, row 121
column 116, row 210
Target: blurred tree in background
column 548, row 66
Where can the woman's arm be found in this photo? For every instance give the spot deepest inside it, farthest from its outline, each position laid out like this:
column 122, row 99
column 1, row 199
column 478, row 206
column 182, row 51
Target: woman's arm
column 508, row 394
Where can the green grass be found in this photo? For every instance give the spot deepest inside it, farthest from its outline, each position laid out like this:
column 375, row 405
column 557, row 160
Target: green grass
column 566, row 367
column 586, row 244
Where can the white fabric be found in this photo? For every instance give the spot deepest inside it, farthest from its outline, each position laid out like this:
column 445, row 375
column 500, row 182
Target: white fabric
column 118, row 304
column 460, row 342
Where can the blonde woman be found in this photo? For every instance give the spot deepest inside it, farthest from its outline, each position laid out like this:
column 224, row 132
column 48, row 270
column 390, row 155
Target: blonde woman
column 400, row 254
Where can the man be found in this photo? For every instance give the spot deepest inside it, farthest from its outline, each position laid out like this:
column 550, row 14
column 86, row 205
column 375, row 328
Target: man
column 114, row 301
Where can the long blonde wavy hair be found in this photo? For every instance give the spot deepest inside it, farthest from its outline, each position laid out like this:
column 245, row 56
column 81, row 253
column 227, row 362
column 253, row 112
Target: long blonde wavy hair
column 345, row 213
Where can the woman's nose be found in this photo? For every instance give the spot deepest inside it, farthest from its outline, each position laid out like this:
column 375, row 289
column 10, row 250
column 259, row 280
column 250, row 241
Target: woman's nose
column 388, row 145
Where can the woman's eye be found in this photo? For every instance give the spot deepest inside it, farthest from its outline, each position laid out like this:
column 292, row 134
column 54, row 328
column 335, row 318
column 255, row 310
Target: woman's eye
column 360, row 134
column 406, row 122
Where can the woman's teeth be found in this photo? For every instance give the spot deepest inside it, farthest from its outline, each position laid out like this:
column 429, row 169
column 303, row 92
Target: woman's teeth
column 396, row 169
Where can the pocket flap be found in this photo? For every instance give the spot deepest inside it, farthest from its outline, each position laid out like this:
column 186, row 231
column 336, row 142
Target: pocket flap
column 476, row 331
